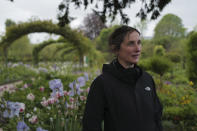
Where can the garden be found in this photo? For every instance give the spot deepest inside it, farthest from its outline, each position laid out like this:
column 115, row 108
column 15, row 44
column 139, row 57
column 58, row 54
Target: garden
column 47, row 91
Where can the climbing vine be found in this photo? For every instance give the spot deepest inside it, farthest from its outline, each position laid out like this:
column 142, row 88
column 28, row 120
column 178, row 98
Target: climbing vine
column 82, row 44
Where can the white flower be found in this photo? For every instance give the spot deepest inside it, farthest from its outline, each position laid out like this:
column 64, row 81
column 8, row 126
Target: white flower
column 48, row 107
column 35, row 109
column 33, row 119
column 28, row 115
column 51, row 119
column 44, row 103
column 30, row 97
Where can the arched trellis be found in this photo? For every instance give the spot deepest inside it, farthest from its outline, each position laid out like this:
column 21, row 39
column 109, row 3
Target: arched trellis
column 65, row 48
column 41, row 46
column 81, row 43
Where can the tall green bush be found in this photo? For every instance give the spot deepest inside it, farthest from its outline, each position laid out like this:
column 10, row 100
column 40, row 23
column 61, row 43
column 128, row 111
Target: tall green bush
column 192, row 58
column 159, row 65
column 159, row 50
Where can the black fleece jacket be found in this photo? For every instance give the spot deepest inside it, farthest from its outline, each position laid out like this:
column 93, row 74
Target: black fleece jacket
column 125, row 99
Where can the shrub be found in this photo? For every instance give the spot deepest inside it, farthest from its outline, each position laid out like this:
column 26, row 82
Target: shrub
column 192, row 55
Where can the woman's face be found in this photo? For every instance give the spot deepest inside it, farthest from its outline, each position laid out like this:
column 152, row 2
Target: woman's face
column 130, row 49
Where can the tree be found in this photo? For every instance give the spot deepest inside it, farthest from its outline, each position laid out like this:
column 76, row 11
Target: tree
column 102, row 41
column 92, row 26
column 192, row 55
column 111, row 8
column 169, row 26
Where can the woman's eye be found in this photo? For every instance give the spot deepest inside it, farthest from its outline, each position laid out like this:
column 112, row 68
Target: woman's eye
column 139, row 42
column 131, row 43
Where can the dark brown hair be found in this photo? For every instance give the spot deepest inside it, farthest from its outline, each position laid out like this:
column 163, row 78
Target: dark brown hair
column 117, row 37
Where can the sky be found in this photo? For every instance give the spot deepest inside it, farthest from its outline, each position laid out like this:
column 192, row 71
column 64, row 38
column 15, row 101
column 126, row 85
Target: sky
column 23, row 10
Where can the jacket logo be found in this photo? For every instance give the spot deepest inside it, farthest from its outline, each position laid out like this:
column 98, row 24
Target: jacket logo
column 147, row 88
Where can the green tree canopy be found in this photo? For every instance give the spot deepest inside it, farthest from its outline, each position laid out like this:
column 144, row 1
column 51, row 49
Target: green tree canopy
column 171, row 26
column 102, row 41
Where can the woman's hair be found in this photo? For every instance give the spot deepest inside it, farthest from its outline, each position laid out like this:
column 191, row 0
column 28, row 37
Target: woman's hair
column 117, row 37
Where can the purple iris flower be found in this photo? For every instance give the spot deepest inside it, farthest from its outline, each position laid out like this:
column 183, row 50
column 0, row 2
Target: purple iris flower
column 78, row 89
column 71, row 85
column 57, row 86
column 40, row 129
column 22, row 126
column 14, row 108
column 5, row 114
column 167, row 82
column 41, row 69
column 86, row 76
column 81, row 81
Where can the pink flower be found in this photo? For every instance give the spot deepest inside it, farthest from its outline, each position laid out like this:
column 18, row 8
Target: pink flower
column 88, row 89
column 5, row 87
column 30, row 97
column 57, row 95
column 1, row 89
column 42, row 89
column 71, row 100
column 33, row 119
column 52, row 100
column 66, row 93
column 82, row 98
column 22, row 107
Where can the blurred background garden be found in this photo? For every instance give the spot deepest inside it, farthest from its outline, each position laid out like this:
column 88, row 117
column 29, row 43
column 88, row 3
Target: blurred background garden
column 48, row 63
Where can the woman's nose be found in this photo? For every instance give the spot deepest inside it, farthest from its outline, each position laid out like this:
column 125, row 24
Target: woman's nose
column 138, row 47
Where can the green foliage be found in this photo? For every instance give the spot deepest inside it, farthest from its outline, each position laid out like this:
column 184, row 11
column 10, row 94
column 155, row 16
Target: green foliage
column 13, row 74
column 174, row 57
column 79, row 42
column 192, row 55
column 41, row 46
column 169, row 25
column 66, row 114
column 165, row 41
column 102, row 41
column 20, row 50
column 9, row 23
column 147, row 49
column 159, row 65
column 179, row 106
column 159, row 50
column 19, row 30
column 144, row 64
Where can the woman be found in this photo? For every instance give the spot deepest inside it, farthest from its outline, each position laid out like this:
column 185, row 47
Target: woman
column 124, row 95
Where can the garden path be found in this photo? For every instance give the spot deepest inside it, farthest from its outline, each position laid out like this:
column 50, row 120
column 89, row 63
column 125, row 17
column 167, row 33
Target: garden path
column 9, row 87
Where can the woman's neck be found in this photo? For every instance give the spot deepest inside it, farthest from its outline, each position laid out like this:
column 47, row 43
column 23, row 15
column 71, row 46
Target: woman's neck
column 125, row 65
